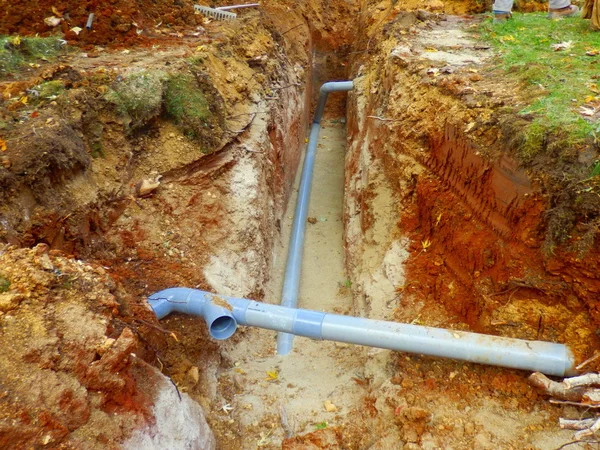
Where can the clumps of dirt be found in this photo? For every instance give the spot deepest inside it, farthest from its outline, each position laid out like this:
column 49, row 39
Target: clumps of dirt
column 565, row 173
column 47, row 155
column 118, row 21
column 66, row 358
column 329, row 438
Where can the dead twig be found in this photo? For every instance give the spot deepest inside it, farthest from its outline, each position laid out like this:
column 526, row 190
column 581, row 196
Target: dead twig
column 567, row 402
column 151, row 325
column 589, row 379
column 284, row 421
column 176, row 388
column 574, row 424
column 555, row 389
column 246, row 114
column 285, row 87
column 383, row 119
column 589, row 431
column 577, row 442
column 587, row 361
column 293, row 28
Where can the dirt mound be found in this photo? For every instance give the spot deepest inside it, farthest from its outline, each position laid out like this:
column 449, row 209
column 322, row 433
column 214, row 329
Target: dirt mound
column 66, row 361
column 114, row 21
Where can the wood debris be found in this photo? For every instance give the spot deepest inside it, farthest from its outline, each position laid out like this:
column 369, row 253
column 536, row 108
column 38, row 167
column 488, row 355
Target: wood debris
column 582, row 391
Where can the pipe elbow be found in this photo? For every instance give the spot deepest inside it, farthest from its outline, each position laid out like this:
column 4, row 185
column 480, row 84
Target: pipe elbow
column 169, row 300
column 336, row 86
column 216, row 311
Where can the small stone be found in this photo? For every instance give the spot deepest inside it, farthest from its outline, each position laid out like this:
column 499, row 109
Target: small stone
column 101, row 350
column 52, row 21
column 238, row 381
column 147, row 186
column 194, row 374
column 329, row 407
column 312, row 220
column 45, row 262
column 469, row 428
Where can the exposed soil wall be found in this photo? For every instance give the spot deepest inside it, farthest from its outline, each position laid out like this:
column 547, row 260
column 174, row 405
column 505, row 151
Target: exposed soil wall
column 474, row 218
column 74, row 179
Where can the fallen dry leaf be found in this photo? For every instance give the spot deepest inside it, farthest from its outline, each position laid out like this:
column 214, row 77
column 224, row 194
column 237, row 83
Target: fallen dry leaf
column 2, row 145
column 272, row 375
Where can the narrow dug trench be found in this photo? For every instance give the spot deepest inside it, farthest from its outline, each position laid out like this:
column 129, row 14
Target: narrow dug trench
column 419, row 214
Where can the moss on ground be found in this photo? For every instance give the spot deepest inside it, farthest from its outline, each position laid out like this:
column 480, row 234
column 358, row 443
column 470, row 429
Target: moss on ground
column 4, row 284
column 186, row 104
column 16, row 51
column 138, row 96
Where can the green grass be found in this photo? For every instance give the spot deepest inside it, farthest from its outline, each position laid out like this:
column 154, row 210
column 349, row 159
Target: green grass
column 565, row 80
column 16, row 51
column 139, row 96
column 186, row 104
column 184, row 99
column 4, row 284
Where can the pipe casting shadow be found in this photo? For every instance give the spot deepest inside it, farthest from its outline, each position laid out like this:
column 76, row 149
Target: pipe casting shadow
column 293, row 268
column 224, row 314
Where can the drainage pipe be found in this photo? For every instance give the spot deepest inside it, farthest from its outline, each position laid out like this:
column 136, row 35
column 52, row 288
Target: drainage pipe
column 224, row 314
column 229, row 8
column 291, row 281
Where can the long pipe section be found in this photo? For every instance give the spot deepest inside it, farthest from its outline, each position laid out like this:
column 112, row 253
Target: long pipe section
column 291, row 281
column 224, row 314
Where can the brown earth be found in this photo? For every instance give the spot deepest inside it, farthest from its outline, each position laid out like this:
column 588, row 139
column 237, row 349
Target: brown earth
column 473, row 219
column 67, row 369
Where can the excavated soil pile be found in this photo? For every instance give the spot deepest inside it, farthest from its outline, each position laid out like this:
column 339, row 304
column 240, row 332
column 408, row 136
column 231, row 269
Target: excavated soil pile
column 119, row 21
column 442, row 226
column 66, row 359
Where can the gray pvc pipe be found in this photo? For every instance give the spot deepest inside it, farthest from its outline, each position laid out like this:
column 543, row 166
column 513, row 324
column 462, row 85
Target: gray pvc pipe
column 293, row 268
column 224, row 314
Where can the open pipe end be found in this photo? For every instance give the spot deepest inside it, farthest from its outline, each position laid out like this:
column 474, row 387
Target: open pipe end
column 222, row 327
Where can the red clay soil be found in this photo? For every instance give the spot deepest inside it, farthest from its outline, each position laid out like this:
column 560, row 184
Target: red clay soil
column 483, row 258
column 115, row 21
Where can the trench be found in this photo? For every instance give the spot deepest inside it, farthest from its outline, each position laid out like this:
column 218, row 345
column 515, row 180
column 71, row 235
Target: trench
column 382, row 189
column 291, row 390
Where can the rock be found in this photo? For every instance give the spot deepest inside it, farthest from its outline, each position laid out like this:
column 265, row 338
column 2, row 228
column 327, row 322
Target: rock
column 52, row 21
column 147, row 186
column 105, row 374
column 8, row 302
column 178, row 422
column 194, row 375
column 105, row 346
column 329, row 407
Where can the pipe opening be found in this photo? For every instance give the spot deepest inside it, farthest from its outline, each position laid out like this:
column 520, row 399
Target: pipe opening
column 222, row 327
